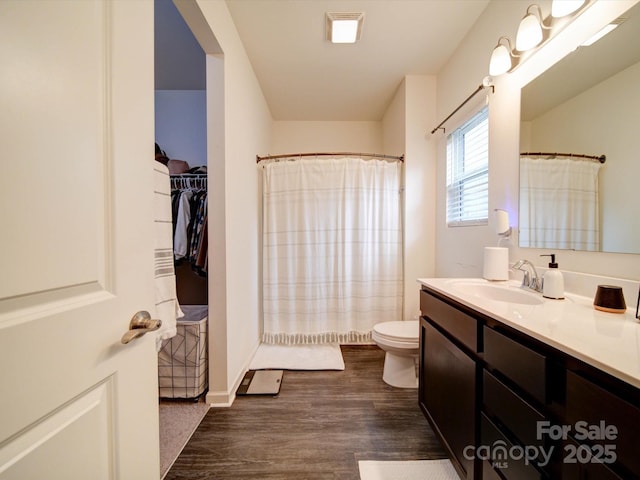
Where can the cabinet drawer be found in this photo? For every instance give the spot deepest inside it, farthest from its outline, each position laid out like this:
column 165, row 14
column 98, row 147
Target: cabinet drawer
column 580, row 466
column 527, row 368
column 591, row 404
column 458, row 324
column 509, row 468
column 512, row 411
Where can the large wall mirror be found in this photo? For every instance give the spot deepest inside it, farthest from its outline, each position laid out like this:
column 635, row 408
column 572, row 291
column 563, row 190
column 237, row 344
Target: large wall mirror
column 586, row 104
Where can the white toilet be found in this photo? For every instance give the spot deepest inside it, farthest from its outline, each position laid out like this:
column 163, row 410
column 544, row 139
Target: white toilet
column 400, row 341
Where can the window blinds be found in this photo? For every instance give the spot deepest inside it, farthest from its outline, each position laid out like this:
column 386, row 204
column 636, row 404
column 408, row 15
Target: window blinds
column 468, row 172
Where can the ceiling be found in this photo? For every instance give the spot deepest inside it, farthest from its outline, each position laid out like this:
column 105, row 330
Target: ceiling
column 305, row 77
column 179, row 60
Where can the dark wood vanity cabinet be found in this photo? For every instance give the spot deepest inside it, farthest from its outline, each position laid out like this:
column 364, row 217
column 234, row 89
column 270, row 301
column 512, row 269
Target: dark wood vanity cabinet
column 448, row 378
column 516, row 392
column 484, row 386
column 610, row 421
column 448, row 394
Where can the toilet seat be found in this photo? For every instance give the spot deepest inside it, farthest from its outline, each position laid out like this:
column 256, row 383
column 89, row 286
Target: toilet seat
column 398, row 334
column 401, row 342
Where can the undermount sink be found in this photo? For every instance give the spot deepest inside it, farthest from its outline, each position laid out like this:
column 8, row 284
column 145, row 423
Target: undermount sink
column 499, row 292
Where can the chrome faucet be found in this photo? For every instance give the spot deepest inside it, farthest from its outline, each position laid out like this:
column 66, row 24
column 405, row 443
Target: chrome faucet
column 531, row 279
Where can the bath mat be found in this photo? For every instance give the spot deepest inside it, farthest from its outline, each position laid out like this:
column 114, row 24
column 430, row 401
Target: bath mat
column 261, row 382
column 407, row 470
column 298, row 357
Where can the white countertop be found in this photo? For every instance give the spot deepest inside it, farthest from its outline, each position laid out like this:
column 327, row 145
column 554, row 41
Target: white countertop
column 608, row 341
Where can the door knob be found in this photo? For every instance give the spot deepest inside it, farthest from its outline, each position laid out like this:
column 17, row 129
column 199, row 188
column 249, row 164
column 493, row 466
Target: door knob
column 140, row 324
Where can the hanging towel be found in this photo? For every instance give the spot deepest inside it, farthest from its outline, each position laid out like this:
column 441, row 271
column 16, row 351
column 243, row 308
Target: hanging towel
column 167, row 307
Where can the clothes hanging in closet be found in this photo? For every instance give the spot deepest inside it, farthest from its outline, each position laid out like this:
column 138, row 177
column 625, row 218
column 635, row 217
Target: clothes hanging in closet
column 189, row 227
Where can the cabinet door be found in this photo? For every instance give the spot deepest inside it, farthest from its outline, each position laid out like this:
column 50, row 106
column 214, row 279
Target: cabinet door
column 447, row 393
column 594, row 409
column 578, row 464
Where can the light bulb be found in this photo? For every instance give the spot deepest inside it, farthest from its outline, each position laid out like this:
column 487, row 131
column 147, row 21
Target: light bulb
column 529, row 33
column 500, row 60
column 344, row 31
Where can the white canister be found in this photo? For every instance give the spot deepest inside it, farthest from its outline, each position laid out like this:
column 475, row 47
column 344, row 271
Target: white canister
column 496, row 263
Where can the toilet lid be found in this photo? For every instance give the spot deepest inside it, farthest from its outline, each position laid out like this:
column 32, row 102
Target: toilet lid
column 399, row 330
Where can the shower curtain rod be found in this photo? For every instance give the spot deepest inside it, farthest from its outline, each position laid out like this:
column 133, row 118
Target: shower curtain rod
column 480, row 88
column 335, row 154
column 600, row 158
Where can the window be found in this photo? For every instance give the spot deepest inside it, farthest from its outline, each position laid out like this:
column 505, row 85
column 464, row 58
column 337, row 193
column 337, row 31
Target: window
column 468, row 172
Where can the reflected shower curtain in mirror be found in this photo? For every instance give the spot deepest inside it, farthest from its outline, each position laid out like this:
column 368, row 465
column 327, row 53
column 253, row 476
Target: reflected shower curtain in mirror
column 332, row 249
column 559, row 204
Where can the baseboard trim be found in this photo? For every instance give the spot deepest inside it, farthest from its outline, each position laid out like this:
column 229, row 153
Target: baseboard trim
column 218, row 399
column 224, row 399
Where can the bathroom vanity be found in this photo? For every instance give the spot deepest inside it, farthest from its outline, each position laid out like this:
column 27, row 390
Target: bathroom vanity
column 520, row 387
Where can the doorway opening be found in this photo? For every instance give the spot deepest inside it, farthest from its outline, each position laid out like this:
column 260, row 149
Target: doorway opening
column 189, row 126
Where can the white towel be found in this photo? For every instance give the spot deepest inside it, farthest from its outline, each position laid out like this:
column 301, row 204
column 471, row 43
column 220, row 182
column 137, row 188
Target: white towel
column 167, row 307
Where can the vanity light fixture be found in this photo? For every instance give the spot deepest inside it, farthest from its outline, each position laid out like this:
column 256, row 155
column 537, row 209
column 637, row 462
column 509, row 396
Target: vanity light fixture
column 344, row 27
column 530, row 29
column 501, row 57
column 531, row 33
column 562, row 8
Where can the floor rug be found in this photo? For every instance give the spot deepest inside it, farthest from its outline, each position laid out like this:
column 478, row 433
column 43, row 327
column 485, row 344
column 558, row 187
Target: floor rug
column 298, row 357
column 407, row 470
column 178, row 421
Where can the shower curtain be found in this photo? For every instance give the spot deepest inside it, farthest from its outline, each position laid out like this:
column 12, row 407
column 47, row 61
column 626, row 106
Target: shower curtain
column 332, row 249
column 559, row 205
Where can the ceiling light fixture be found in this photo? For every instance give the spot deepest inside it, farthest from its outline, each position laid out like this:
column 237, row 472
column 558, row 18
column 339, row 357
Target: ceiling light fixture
column 344, row 27
column 562, row 8
column 530, row 29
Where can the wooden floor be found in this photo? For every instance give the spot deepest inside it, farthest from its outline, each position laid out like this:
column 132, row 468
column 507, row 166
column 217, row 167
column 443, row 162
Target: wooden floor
column 317, row 428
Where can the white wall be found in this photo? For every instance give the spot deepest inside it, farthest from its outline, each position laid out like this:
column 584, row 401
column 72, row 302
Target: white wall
column 409, row 116
column 459, row 251
column 319, row 136
column 394, row 123
column 181, row 124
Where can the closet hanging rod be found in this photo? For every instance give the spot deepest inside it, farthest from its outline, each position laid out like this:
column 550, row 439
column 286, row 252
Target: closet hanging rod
column 477, row 90
column 188, row 181
column 334, row 154
column 600, row 158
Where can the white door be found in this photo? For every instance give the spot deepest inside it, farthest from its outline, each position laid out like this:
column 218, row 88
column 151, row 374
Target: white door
column 76, row 245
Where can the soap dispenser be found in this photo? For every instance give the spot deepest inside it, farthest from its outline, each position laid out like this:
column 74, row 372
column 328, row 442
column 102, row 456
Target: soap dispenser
column 553, row 281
